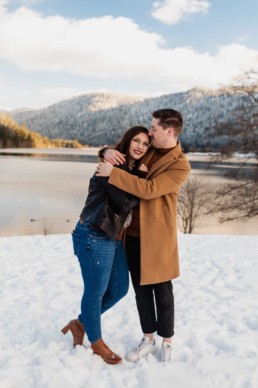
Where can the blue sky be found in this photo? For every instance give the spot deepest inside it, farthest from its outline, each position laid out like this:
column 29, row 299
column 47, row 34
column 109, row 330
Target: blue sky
column 53, row 50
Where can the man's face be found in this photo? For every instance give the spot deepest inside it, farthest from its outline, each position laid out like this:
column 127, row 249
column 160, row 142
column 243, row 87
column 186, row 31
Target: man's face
column 159, row 136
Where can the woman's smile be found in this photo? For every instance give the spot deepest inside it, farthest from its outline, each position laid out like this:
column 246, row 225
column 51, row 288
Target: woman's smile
column 139, row 146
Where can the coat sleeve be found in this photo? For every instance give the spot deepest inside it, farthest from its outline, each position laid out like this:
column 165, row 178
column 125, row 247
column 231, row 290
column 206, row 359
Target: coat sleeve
column 168, row 181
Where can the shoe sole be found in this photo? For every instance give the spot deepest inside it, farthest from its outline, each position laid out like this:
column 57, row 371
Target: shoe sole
column 146, row 355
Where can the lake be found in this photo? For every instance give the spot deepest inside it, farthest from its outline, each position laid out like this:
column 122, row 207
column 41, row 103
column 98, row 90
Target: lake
column 44, row 190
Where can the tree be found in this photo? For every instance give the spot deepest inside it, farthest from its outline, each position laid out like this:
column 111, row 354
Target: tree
column 238, row 200
column 14, row 135
column 194, row 201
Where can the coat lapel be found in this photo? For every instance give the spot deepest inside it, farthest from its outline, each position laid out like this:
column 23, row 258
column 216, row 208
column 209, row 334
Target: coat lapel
column 166, row 159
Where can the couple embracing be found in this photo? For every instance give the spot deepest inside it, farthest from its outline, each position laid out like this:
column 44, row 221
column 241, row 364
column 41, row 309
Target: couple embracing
column 129, row 222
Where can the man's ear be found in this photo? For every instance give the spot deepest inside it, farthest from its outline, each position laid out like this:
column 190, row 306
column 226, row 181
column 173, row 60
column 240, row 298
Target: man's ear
column 171, row 131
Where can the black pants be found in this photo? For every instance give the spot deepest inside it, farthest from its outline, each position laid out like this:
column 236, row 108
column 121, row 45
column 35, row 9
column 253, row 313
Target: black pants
column 155, row 302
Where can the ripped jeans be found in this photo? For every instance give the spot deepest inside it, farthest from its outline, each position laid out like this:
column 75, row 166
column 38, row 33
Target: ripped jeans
column 105, row 275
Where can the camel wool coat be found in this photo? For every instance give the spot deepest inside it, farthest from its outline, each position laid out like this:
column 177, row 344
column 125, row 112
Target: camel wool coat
column 158, row 224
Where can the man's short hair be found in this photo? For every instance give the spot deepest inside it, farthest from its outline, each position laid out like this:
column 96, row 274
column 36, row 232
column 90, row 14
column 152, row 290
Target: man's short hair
column 169, row 118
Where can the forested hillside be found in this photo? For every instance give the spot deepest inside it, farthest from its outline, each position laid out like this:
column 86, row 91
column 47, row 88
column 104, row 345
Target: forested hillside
column 100, row 118
column 16, row 136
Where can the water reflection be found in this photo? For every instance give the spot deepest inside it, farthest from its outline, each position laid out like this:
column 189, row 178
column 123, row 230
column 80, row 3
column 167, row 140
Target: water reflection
column 208, row 166
column 57, row 157
column 50, row 192
column 50, row 188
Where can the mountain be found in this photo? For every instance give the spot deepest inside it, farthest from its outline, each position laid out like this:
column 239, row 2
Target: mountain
column 101, row 118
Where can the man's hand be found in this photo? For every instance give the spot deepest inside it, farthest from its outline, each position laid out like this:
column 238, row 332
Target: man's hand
column 143, row 167
column 114, row 157
column 104, row 169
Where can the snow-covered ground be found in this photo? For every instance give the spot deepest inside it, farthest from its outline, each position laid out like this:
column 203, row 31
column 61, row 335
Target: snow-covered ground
column 216, row 340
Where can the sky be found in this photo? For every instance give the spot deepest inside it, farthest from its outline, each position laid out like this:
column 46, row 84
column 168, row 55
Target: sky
column 216, row 319
column 54, row 50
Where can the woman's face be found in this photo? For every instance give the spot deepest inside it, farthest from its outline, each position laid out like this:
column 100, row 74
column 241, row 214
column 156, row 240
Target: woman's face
column 139, row 146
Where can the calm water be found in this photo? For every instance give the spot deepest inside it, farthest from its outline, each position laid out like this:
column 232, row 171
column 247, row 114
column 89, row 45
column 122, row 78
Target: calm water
column 70, row 157
column 50, row 190
column 44, row 191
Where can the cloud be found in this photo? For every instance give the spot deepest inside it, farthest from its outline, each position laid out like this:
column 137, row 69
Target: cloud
column 20, row 2
column 104, row 46
column 172, row 11
column 113, row 48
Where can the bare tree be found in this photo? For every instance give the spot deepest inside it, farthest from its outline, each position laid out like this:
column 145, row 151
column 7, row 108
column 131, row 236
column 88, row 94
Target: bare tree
column 194, row 201
column 44, row 227
column 238, row 199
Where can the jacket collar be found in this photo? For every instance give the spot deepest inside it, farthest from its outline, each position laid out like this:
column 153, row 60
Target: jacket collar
column 167, row 158
column 176, row 151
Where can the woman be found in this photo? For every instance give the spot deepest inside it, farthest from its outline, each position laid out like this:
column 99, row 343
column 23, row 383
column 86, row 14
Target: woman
column 97, row 242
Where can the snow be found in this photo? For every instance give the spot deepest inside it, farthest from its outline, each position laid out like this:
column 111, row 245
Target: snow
column 216, row 329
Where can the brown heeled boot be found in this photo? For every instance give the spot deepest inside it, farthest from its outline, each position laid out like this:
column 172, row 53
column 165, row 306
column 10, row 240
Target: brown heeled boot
column 77, row 330
column 102, row 350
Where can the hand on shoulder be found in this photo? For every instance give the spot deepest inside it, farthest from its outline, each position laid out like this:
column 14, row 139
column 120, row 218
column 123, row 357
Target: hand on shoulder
column 113, row 156
column 104, row 169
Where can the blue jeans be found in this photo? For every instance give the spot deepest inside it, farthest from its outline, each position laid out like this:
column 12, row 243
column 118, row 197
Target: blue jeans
column 105, row 275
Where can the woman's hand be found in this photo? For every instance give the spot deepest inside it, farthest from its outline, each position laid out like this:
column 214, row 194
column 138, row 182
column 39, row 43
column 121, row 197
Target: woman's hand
column 114, row 157
column 143, row 167
column 104, row 169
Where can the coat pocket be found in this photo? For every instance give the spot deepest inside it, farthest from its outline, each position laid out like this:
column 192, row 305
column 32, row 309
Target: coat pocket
column 167, row 218
column 76, row 242
column 110, row 222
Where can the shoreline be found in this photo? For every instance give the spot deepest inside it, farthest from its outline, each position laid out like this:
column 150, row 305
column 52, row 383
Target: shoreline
column 92, row 150
column 52, row 193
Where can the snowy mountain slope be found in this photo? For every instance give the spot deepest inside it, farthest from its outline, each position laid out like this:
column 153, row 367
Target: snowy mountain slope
column 101, row 118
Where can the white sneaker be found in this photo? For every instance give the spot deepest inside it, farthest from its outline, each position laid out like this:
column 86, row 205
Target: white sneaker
column 166, row 352
column 146, row 346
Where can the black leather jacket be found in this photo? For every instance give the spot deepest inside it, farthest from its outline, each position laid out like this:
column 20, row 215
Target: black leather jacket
column 106, row 206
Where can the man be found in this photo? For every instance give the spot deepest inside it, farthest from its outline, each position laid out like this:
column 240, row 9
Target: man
column 151, row 239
